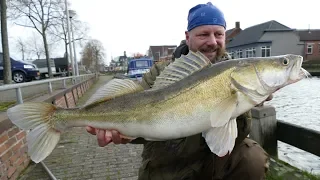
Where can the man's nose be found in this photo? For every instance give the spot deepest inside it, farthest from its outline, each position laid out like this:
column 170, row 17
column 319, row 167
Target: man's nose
column 212, row 40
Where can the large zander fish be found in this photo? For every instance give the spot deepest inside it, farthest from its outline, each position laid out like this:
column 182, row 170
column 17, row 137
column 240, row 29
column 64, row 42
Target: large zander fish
column 190, row 96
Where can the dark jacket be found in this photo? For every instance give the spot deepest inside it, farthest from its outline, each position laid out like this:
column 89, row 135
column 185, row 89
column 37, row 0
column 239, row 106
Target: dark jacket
column 183, row 155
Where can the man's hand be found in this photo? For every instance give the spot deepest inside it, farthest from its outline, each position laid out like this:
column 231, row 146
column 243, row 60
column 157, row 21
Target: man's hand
column 105, row 137
column 268, row 99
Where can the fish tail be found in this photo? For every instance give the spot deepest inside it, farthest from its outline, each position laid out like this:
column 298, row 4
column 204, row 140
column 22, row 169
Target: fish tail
column 37, row 120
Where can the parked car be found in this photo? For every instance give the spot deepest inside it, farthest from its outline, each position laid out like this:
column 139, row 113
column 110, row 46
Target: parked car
column 138, row 67
column 58, row 67
column 21, row 71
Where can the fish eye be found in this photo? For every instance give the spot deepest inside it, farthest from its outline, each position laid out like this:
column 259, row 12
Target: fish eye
column 285, row 61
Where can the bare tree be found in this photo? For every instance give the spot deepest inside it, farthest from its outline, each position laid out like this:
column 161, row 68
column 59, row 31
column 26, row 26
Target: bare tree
column 21, row 47
column 59, row 32
column 37, row 14
column 93, row 55
column 7, row 74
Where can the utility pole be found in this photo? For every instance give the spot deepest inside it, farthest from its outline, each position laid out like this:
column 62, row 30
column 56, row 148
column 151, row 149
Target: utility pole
column 69, row 37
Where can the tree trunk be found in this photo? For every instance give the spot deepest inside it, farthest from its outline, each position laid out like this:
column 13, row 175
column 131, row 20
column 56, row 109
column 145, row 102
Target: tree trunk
column 46, row 49
column 7, row 74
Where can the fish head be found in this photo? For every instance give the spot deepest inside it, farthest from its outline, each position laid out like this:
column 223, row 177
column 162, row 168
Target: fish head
column 277, row 72
column 259, row 77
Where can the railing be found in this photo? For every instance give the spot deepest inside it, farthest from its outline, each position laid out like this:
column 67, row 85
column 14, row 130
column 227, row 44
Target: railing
column 18, row 87
column 267, row 130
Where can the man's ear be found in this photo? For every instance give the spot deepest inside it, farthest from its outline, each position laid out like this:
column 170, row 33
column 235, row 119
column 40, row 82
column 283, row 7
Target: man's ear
column 187, row 37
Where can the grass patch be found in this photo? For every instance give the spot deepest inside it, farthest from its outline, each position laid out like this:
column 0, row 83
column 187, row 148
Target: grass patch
column 280, row 170
column 5, row 105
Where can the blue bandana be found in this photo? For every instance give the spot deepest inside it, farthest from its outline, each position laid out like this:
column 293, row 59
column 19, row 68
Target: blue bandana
column 205, row 14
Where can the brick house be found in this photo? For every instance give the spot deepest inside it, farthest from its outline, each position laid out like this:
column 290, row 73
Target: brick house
column 158, row 52
column 311, row 42
column 231, row 33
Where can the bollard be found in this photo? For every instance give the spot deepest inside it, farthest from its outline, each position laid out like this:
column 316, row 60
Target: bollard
column 263, row 130
column 64, row 86
column 19, row 95
column 49, row 87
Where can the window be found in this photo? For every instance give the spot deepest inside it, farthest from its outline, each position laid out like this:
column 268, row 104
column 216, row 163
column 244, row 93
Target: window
column 309, row 48
column 265, row 51
column 239, row 54
column 251, row 52
column 231, row 55
column 141, row 64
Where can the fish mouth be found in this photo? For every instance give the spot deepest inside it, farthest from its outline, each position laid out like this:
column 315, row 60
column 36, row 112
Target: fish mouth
column 301, row 75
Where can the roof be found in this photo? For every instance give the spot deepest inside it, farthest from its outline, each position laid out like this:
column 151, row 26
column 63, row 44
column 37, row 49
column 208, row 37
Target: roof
column 228, row 32
column 253, row 34
column 309, row 35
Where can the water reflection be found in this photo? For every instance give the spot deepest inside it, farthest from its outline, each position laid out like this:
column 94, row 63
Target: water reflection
column 299, row 104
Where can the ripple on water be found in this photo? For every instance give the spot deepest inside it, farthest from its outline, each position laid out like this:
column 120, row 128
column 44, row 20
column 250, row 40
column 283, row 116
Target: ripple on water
column 299, row 104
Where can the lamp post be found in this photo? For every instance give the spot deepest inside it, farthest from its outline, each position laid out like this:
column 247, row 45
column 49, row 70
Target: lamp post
column 69, row 37
column 72, row 13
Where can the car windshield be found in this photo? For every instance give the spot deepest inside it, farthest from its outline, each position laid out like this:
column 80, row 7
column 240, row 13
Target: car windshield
column 141, row 64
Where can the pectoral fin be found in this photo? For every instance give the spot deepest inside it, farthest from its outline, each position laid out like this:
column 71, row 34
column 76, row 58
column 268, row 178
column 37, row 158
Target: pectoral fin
column 223, row 111
column 250, row 85
column 253, row 94
column 221, row 140
column 222, row 135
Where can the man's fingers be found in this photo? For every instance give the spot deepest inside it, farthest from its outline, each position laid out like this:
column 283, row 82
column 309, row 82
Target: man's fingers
column 91, row 130
column 101, row 138
column 116, row 139
column 269, row 98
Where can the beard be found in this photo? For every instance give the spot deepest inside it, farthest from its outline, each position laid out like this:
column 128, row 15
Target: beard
column 219, row 52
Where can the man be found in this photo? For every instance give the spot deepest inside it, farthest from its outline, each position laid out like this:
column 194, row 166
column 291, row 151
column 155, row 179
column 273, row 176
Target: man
column 190, row 157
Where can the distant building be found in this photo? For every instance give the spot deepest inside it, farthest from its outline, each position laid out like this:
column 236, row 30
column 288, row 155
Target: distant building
column 266, row 39
column 311, row 43
column 158, row 52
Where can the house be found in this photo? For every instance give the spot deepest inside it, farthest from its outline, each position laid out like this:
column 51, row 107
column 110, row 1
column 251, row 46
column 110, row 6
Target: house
column 311, row 43
column 231, row 33
column 266, row 39
column 158, row 52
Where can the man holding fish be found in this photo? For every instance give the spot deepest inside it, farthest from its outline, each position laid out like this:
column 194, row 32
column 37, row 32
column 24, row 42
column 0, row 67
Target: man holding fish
column 192, row 115
column 190, row 157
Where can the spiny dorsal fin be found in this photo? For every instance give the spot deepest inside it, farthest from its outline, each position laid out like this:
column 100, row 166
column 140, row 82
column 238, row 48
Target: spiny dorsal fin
column 181, row 68
column 114, row 88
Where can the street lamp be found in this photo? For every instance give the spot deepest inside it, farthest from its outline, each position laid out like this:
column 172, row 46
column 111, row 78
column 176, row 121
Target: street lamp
column 72, row 13
column 69, row 37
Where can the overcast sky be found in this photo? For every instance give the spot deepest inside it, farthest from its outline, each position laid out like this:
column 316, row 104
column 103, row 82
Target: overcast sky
column 134, row 25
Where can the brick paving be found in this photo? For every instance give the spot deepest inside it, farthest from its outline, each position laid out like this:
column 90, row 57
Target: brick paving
column 78, row 156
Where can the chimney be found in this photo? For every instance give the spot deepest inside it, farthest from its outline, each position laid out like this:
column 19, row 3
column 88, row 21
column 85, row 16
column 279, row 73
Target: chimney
column 237, row 25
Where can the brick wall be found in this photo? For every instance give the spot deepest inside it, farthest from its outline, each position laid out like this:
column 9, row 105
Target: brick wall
column 13, row 153
column 13, row 147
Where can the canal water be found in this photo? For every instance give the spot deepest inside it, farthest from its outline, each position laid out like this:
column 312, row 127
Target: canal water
column 299, row 104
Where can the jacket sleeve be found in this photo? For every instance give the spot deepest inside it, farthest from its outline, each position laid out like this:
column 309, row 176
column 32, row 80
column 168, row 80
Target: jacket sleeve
column 149, row 77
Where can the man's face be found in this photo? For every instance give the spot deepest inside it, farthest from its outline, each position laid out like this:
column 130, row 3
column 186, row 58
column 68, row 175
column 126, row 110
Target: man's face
column 208, row 39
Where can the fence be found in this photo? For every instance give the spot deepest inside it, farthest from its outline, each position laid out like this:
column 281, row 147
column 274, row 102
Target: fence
column 267, row 130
